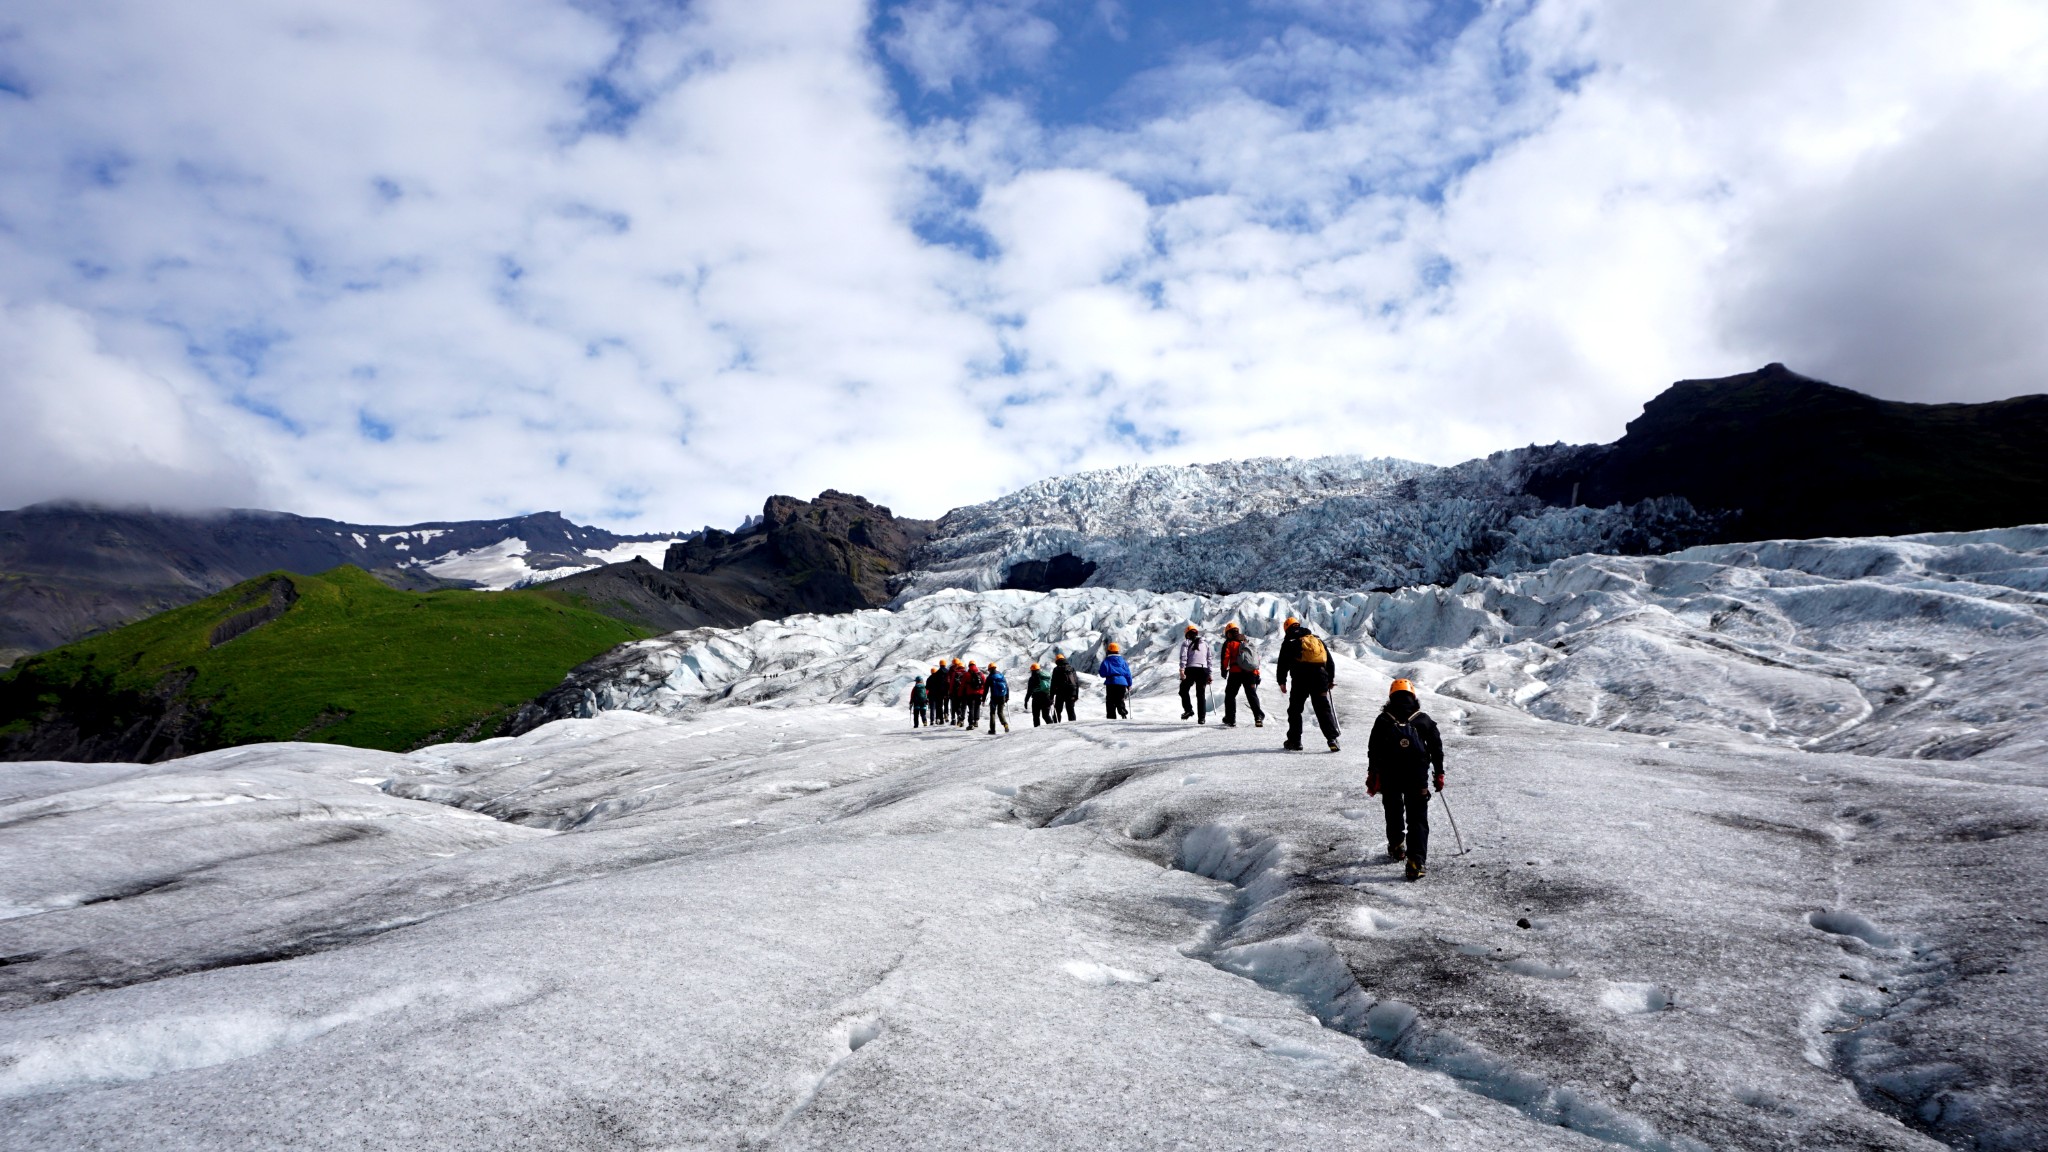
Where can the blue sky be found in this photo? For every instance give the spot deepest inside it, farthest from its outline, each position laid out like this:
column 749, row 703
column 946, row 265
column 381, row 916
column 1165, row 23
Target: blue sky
column 647, row 262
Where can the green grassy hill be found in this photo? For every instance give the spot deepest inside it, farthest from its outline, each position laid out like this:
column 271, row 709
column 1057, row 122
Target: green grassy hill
column 338, row 658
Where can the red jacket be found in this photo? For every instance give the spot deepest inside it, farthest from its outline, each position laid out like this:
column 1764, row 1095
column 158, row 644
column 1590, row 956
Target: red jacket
column 977, row 685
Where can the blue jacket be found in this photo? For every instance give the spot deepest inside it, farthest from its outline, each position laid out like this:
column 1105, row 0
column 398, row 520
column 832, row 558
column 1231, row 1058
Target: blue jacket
column 1113, row 670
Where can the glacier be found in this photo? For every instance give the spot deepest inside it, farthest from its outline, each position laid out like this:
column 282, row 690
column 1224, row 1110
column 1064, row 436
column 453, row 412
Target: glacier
column 1750, row 850
column 1916, row 646
column 1324, row 522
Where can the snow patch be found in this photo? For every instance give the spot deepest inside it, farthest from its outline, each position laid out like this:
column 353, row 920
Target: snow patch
column 145, row 1049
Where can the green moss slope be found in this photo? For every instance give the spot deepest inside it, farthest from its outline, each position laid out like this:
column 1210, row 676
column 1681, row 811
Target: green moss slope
column 348, row 661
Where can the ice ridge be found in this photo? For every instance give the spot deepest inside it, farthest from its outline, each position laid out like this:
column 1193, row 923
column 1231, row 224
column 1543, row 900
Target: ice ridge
column 1919, row 646
column 1333, row 522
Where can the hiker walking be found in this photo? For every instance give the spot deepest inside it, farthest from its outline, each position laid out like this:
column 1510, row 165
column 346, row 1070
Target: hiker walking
column 935, row 694
column 956, row 691
column 977, row 687
column 1240, row 672
column 1116, row 681
column 1403, row 755
column 920, row 697
column 1066, row 687
column 1038, row 689
column 1305, row 658
column 1195, row 663
column 998, row 699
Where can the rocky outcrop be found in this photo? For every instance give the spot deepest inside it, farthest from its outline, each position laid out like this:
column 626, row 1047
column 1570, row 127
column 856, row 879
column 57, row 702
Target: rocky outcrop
column 1789, row 456
column 838, row 553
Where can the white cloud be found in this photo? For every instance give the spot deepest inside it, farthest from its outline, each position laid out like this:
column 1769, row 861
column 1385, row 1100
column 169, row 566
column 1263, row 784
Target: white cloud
column 649, row 270
column 945, row 42
column 86, row 425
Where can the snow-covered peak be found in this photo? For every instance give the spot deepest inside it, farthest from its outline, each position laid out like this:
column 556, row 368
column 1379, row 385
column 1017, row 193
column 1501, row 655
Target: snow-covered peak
column 1175, row 499
column 1335, row 523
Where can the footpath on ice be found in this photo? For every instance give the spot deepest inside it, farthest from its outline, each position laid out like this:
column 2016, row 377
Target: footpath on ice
column 763, row 912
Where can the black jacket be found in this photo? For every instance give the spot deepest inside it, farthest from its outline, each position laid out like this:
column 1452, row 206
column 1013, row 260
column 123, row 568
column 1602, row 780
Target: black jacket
column 1404, row 769
column 1314, row 677
column 1065, row 684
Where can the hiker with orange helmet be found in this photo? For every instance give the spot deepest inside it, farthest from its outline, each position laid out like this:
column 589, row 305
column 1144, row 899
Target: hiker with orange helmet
column 1305, row 659
column 998, row 698
column 977, row 687
column 1240, row 674
column 956, row 692
column 1404, row 748
column 936, row 688
column 1116, row 681
column 1066, row 687
column 1195, row 664
column 1038, row 689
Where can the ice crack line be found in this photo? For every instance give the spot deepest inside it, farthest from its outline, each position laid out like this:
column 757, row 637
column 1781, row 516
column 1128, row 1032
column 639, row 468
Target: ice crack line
column 1307, row 968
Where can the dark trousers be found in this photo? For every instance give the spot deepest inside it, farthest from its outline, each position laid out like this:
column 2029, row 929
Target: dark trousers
column 1113, row 701
column 942, row 710
column 1250, row 683
column 1326, row 716
column 1416, row 806
column 996, row 708
column 917, row 715
column 974, row 711
column 1041, row 710
column 1195, row 680
column 1063, row 704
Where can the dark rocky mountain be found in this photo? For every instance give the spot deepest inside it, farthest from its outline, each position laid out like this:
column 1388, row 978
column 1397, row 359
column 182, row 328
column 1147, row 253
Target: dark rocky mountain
column 1791, row 456
column 837, row 553
column 68, row 571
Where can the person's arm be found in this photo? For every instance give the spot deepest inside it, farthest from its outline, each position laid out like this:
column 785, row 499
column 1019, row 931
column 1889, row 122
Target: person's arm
column 1434, row 741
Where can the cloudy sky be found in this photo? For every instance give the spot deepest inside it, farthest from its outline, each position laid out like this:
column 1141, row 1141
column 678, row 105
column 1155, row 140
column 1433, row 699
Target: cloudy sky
column 646, row 262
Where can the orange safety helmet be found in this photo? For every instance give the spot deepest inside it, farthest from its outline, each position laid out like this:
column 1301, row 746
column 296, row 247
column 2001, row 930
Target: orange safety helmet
column 1112, row 646
column 1232, row 627
column 1290, row 622
column 991, row 665
column 1034, row 667
column 1402, row 686
column 1192, row 631
column 956, row 661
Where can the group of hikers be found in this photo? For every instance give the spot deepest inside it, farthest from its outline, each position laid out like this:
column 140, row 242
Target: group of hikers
column 1404, row 754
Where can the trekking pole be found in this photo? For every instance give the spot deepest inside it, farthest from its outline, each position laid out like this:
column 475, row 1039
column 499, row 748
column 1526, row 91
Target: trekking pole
column 1454, row 821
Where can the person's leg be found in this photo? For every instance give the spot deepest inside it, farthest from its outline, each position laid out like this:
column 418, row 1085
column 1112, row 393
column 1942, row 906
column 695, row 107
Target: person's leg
column 1297, row 698
column 1070, row 708
column 1201, row 699
column 1251, row 697
column 1326, row 716
column 1187, row 707
column 1418, row 826
column 1123, row 702
column 1397, row 839
column 1232, row 682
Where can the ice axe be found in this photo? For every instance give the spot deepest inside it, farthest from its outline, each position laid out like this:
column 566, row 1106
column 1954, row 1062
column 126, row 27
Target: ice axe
column 1454, row 821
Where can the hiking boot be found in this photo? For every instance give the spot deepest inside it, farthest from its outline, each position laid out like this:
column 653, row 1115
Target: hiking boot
column 1290, row 746
column 1397, row 852
column 1416, row 871
column 1228, row 724
column 1333, row 746
column 1258, row 721
column 1187, row 715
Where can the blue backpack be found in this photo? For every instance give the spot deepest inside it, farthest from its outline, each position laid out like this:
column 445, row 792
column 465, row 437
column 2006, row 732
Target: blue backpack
column 998, row 686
